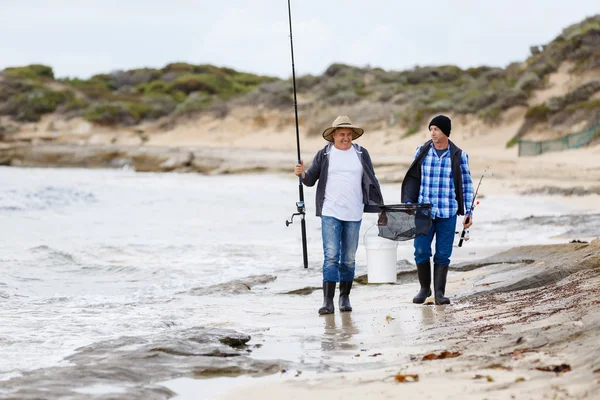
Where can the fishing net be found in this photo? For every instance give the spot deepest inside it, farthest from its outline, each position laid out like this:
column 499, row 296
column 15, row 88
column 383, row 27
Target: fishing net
column 404, row 221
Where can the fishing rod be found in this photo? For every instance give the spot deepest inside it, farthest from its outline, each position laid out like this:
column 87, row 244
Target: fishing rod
column 464, row 231
column 300, row 203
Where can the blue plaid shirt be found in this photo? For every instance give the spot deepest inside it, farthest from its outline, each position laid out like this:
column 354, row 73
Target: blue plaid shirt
column 437, row 185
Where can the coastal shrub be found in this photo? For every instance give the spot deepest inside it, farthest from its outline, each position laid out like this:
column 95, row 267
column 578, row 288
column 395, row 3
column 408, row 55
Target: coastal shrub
column 191, row 83
column 512, row 142
column 178, row 96
column 179, row 68
column 447, row 73
column 135, row 77
column 30, row 106
column 341, row 84
column 432, row 75
column 113, row 113
column 94, row 89
column 475, row 100
column 171, row 76
column 212, row 70
column 510, row 98
column 107, row 79
column 413, row 118
column 491, row 75
column 203, row 83
column 490, row 114
column 307, row 82
column 129, row 113
column 441, row 105
column 582, row 93
column 577, row 112
column 346, row 97
column 10, row 87
column 250, row 81
column 590, row 63
column 32, row 71
column 140, row 110
column 528, row 81
column 584, row 105
column 419, row 75
column 539, row 112
column 555, row 104
column 341, row 69
column 160, row 106
column 577, row 43
column 276, row 94
column 386, row 94
column 154, row 87
column 73, row 105
column 361, row 90
column 476, row 72
column 195, row 102
column 411, row 131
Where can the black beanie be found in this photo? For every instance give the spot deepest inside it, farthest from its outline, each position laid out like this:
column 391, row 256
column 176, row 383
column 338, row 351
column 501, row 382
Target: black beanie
column 442, row 122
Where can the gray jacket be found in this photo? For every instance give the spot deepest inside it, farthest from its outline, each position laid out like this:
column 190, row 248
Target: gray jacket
column 371, row 191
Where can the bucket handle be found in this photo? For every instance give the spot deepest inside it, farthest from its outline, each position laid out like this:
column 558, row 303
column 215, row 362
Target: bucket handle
column 365, row 235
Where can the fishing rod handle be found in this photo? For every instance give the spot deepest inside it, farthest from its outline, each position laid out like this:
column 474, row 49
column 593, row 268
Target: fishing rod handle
column 462, row 236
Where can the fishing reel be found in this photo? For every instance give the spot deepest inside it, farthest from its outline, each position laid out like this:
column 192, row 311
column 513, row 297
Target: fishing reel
column 301, row 208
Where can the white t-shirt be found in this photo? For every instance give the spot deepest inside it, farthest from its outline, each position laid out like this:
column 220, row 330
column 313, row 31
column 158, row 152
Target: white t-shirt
column 343, row 192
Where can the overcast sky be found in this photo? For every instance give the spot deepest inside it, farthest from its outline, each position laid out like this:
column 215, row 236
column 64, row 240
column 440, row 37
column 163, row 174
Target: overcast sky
column 84, row 37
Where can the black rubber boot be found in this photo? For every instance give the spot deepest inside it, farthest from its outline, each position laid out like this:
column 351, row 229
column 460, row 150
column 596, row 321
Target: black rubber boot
column 440, row 273
column 345, row 287
column 328, row 293
column 424, row 273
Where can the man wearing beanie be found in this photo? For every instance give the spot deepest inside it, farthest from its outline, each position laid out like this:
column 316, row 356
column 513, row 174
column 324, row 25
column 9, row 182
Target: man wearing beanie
column 440, row 176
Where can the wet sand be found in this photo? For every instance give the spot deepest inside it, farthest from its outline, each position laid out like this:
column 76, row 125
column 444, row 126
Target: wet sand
column 515, row 318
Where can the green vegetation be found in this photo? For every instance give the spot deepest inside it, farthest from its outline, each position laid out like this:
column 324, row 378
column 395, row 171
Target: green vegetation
column 129, row 97
column 122, row 97
column 512, row 142
column 30, row 104
column 33, row 71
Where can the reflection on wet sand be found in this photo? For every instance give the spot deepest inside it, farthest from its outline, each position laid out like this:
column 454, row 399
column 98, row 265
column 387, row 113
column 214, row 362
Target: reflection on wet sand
column 336, row 336
column 427, row 315
column 432, row 315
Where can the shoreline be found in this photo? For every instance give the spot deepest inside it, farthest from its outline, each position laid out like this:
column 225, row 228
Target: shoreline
column 503, row 335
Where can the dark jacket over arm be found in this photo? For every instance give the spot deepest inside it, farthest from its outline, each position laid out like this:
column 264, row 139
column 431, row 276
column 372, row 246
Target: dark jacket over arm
column 411, row 185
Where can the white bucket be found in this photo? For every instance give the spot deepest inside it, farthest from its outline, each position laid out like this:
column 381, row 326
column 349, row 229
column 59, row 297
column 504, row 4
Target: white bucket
column 381, row 259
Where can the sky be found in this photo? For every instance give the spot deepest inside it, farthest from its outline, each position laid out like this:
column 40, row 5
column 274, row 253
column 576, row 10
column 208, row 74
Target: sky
column 80, row 38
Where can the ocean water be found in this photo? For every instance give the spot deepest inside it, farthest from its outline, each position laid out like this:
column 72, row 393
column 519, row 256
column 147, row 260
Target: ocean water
column 98, row 264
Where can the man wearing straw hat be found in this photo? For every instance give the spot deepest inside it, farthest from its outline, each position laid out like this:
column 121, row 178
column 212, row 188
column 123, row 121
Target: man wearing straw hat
column 347, row 187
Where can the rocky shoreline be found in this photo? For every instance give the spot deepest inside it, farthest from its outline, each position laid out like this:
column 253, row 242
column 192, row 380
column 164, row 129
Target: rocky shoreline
column 211, row 161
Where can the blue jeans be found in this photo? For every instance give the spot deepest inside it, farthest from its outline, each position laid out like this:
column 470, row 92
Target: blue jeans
column 443, row 229
column 340, row 241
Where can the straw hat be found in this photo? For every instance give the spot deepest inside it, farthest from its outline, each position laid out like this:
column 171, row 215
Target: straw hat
column 342, row 122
